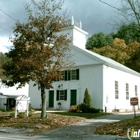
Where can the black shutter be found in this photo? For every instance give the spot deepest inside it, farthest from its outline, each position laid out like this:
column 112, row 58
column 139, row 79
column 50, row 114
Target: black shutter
column 65, row 94
column 69, row 75
column 77, row 74
column 57, row 95
column 66, row 75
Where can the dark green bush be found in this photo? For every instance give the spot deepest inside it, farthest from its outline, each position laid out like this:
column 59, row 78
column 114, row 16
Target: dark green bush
column 86, row 109
column 83, row 107
column 94, row 110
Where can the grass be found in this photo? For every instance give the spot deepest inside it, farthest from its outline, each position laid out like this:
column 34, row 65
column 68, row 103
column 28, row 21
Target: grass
column 34, row 122
column 54, row 120
column 60, row 119
column 83, row 115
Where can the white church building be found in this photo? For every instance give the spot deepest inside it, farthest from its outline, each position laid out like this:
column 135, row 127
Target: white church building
column 109, row 83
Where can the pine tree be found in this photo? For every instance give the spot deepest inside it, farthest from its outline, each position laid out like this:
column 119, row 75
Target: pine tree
column 87, row 98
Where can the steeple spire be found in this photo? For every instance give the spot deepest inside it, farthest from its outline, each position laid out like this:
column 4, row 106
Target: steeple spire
column 72, row 20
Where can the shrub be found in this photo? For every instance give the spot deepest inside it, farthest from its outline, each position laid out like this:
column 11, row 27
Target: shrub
column 13, row 108
column 87, row 98
column 12, row 115
column 101, row 110
column 83, row 107
column 30, row 114
column 86, row 109
column 73, row 108
column 21, row 115
column 2, row 110
column 93, row 110
column 30, row 107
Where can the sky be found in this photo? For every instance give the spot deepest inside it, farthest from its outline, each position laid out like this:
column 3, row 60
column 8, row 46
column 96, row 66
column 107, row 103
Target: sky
column 94, row 15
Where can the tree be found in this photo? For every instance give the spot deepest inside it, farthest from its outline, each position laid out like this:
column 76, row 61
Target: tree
column 129, row 24
column 116, row 52
column 99, row 40
column 134, row 60
column 128, row 12
column 87, row 98
column 128, row 20
column 3, row 60
column 127, row 55
column 39, row 52
column 129, row 33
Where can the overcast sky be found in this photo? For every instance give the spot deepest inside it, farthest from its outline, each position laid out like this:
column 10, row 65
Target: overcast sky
column 94, row 15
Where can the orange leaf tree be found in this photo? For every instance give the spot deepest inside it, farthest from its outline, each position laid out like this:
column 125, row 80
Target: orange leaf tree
column 116, row 52
column 125, row 54
column 38, row 52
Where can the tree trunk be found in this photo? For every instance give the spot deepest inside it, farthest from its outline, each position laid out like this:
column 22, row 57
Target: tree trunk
column 43, row 101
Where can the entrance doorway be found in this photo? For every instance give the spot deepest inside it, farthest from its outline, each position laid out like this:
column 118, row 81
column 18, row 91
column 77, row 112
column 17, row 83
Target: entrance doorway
column 73, row 97
column 51, row 98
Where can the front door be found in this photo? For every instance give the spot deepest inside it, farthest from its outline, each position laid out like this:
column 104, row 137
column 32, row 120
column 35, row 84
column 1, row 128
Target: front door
column 73, row 97
column 51, row 98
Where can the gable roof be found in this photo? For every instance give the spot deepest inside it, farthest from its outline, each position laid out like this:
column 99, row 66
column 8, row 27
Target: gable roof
column 106, row 61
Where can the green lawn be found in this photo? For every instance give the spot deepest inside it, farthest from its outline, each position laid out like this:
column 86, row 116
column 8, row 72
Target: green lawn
column 84, row 115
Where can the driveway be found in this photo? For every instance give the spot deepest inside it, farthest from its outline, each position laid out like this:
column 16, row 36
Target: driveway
column 84, row 130
column 80, row 131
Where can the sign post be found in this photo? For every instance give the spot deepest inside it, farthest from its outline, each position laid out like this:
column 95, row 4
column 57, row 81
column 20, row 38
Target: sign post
column 134, row 102
column 22, row 103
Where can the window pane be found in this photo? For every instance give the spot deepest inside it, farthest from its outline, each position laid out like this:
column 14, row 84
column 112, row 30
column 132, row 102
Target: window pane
column 63, row 75
column 63, row 94
column 136, row 90
column 116, row 90
column 127, row 91
column 127, row 95
column 73, row 75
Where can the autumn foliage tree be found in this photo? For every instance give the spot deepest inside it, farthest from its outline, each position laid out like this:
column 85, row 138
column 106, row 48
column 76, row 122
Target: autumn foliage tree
column 134, row 52
column 116, row 52
column 38, row 52
column 125, row 54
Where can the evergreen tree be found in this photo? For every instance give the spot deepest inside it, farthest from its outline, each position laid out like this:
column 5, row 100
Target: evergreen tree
column 87, row 98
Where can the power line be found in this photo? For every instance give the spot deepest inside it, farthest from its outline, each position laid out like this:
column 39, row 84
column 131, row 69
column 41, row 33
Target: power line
column 110, row 5
column 8, row 15
column 5, row 29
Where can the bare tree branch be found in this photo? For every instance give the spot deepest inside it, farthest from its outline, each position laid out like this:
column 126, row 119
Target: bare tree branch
column 110, row 5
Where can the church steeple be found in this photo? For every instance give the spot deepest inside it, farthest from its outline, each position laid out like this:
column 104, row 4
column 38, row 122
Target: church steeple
column 75, row 33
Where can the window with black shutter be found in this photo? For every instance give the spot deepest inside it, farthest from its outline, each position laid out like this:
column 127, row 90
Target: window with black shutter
column 69, row 75
column 57, row 95
column 66, row 75
column 65, row 94
column 61, row 95
column 77, row 74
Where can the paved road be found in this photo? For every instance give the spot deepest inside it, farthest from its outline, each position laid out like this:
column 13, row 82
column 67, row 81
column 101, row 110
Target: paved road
column 84, row 130
column 81, row 131
column 21, row 137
